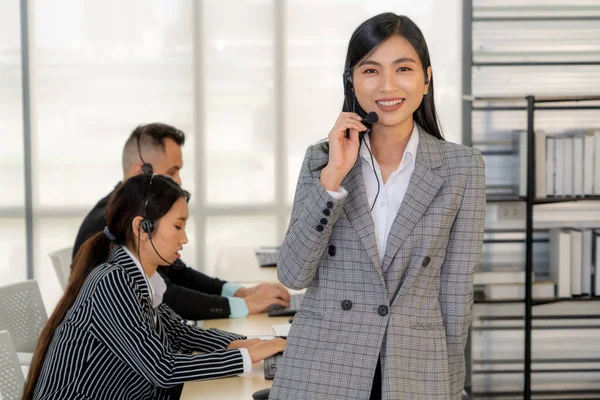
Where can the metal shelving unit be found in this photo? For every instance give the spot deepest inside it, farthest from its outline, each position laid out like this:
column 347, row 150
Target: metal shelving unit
column 507, row 60
column 530, row 202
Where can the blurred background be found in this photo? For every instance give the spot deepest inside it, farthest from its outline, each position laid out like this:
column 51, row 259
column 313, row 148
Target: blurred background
column 252, row 83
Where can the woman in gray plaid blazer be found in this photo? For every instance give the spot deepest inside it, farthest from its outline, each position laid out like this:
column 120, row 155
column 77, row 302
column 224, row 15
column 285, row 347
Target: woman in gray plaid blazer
column 386, row 233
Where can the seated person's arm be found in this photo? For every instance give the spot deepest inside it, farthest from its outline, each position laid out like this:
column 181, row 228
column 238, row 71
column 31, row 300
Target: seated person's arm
column 187, row 338
column 120, row 324
column 185, row 295
column 195, row 305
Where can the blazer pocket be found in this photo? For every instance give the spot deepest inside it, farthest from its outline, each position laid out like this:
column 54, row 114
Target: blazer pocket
column 309, row 314
column 429, row 326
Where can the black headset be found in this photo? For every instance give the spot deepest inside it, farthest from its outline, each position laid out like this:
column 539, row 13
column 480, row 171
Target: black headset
column 348, row 89
column 146, row 167
column 148, row 223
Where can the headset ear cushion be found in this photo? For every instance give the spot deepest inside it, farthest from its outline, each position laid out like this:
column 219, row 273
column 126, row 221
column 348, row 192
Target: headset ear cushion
column 148, row 226
column 347, row 78
column 147, row 169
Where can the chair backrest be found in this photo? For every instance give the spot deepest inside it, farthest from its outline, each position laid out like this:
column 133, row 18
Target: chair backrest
column 61, row 260
column 11, row 376
column 22, row 313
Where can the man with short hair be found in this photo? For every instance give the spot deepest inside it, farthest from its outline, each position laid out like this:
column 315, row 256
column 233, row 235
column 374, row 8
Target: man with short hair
column 156, row 148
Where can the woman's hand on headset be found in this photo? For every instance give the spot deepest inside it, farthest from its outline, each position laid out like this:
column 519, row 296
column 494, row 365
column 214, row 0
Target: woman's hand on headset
column 342, row 151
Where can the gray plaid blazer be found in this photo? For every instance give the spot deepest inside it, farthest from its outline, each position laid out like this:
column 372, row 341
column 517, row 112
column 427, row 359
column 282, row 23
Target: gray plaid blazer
column 412, row 310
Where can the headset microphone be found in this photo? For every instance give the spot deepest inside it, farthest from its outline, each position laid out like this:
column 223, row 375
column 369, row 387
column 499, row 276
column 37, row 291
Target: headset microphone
column 146, row 167
column 369, row 120
column 157, row 253
column 148, row 227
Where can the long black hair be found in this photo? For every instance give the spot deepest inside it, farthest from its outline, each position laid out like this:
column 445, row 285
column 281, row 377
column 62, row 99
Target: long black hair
column 364, row 41
column 128, row 202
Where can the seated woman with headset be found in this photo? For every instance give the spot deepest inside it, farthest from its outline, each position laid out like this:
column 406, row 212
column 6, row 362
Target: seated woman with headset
column 109, row 336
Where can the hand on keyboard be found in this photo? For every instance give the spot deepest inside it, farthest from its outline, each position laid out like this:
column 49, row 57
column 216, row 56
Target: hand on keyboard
column 276, row 310
column 266, row 349
column 260, row 297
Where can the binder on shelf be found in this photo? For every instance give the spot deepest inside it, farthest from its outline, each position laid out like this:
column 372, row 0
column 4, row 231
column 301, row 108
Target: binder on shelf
column 590, row 159
column 597, row 162
column 540, row 163
column 586, row 262
column 596, row 262
column 576, row 261
column 577, row 170
column 550, row 166
column 560, row 261
column 559, row 163
column 568, row 167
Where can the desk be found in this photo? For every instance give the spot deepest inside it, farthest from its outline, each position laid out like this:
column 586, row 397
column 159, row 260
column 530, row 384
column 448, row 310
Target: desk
column 239, row 264
column 237, row 387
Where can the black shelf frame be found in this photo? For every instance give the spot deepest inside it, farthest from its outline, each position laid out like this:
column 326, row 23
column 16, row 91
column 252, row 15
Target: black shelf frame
column 537, row 19
column 534, row 63
column 529, row 104
column 531, row 201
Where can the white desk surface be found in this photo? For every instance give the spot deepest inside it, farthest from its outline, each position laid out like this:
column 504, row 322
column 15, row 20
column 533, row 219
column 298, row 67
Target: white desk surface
column 238, row 387
column 239, row 264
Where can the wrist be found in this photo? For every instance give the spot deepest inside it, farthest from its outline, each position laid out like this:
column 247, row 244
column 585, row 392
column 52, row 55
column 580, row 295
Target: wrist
column 241, row 292
column 329, row 180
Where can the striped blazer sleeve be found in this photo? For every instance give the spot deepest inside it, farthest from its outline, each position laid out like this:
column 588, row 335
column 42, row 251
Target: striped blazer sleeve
column 189, row 338
column 121, row 324
column 462, row 258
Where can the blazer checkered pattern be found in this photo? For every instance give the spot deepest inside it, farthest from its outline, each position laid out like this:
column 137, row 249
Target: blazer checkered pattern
column 412, row 310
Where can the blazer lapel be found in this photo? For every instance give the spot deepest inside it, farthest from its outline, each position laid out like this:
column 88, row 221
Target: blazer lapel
column 357, row 210
column 422, row 188
column 120, row 257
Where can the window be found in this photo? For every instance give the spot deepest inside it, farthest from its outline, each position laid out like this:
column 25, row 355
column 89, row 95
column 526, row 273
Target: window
column 251, row 82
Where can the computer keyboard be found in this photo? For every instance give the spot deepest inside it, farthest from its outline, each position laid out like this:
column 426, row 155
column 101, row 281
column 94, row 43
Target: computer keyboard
column 279, row 311
column 271, row 365
column 267, row 256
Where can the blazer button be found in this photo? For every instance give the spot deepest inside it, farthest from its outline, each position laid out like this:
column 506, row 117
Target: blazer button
column 426, row 261
column 330, row 204
column 332, row 250
column 320, row 228
column 324, row 221
column 327, row 212
column 346, row 305
column 382, row 310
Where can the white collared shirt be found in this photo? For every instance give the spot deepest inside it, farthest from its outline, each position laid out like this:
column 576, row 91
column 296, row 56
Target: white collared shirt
column 391, row 194
column 156, row 284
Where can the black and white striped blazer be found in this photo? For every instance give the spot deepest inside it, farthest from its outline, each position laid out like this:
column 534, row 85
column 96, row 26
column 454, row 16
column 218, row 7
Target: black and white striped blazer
column 113, row 344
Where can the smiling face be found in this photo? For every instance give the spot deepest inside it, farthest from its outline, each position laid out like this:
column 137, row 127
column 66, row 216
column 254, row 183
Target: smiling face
column 391, row 81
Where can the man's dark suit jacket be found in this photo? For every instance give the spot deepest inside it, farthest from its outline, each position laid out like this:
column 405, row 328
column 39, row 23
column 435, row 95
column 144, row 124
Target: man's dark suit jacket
column 190, row 293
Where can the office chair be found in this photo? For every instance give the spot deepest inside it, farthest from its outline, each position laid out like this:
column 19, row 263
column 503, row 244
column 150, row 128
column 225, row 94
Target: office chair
column 262, row 394
column 61, row 260
column 23, row 314
column 11, row 377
